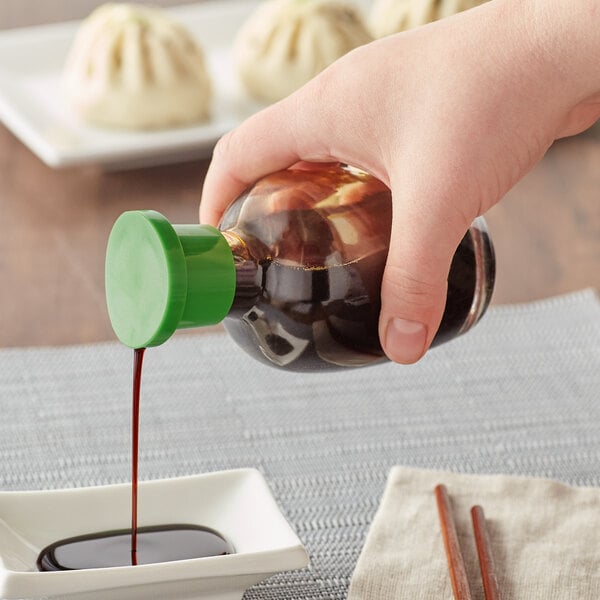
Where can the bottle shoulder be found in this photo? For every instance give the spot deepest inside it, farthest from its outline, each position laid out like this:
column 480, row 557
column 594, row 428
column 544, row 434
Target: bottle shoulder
column 311, row 219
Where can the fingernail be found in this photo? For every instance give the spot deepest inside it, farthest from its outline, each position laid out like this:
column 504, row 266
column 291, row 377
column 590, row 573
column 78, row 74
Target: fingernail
column 405, row 340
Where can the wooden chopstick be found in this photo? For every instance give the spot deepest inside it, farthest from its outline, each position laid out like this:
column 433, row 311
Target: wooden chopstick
column 484, row 551
column 456, row 563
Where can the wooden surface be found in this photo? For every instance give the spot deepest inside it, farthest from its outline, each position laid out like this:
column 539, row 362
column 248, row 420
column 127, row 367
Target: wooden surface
column 55, row 225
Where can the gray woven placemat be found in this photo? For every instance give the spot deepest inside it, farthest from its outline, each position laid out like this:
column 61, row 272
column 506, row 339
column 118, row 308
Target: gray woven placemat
column 519, row 394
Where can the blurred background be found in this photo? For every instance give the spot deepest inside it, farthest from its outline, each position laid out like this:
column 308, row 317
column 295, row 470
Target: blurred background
column 22, row 13
column 55, row 222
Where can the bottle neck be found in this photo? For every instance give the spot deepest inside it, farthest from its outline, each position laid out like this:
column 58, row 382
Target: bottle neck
column 247, row 273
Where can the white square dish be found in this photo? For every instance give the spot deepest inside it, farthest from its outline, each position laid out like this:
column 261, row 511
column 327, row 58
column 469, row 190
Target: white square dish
column 238, row 504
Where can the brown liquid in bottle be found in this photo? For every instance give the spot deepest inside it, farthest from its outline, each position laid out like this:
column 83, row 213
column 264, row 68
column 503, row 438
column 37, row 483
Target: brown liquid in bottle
column 310, row 255
column 143, row 545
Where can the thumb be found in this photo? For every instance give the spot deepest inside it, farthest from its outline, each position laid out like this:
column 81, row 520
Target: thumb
column 424, row 237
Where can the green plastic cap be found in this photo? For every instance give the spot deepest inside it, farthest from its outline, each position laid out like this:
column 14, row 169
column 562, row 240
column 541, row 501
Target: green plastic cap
column 162, row 277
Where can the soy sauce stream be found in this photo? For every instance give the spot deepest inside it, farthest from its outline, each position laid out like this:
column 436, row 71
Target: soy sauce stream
column 138, row 359
column 119, row 547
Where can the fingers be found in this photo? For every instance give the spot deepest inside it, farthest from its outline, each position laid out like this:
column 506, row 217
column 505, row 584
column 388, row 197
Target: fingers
column 423, row 241
column 314, row 124
column 263, row 144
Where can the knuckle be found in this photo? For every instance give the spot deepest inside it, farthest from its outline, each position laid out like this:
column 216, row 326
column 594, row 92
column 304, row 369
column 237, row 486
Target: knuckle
column 223, row 146
column 416, row 295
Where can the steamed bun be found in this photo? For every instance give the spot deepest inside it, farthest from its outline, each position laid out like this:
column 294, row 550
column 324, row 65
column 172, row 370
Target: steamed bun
column 392, row 16
column 285, row 43
column 133, row 67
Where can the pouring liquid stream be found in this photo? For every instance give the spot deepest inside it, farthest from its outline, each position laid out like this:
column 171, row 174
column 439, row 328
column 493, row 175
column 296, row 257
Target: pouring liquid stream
column 138, row 360
column 135, row 545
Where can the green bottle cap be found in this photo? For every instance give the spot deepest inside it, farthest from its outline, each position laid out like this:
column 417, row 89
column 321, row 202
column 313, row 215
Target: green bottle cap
column 162, row 277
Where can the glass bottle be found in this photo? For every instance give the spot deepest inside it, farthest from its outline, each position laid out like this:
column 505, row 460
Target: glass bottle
column 294, row 272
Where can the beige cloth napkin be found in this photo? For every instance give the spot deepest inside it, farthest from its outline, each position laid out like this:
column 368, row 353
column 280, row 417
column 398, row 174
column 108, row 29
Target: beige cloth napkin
column 545, row 538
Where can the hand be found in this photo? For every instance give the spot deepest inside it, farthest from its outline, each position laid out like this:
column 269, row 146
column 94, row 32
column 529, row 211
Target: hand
column 450, row 116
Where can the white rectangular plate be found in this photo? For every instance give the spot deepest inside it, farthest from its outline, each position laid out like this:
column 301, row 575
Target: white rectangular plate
column 238, row 504
column 33, row 108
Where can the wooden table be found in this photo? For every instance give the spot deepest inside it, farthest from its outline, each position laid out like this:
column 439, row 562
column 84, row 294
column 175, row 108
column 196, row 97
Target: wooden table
column 55, row 225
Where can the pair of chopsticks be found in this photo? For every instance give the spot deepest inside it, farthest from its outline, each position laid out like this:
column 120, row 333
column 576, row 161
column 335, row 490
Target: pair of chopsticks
column 456, row 563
